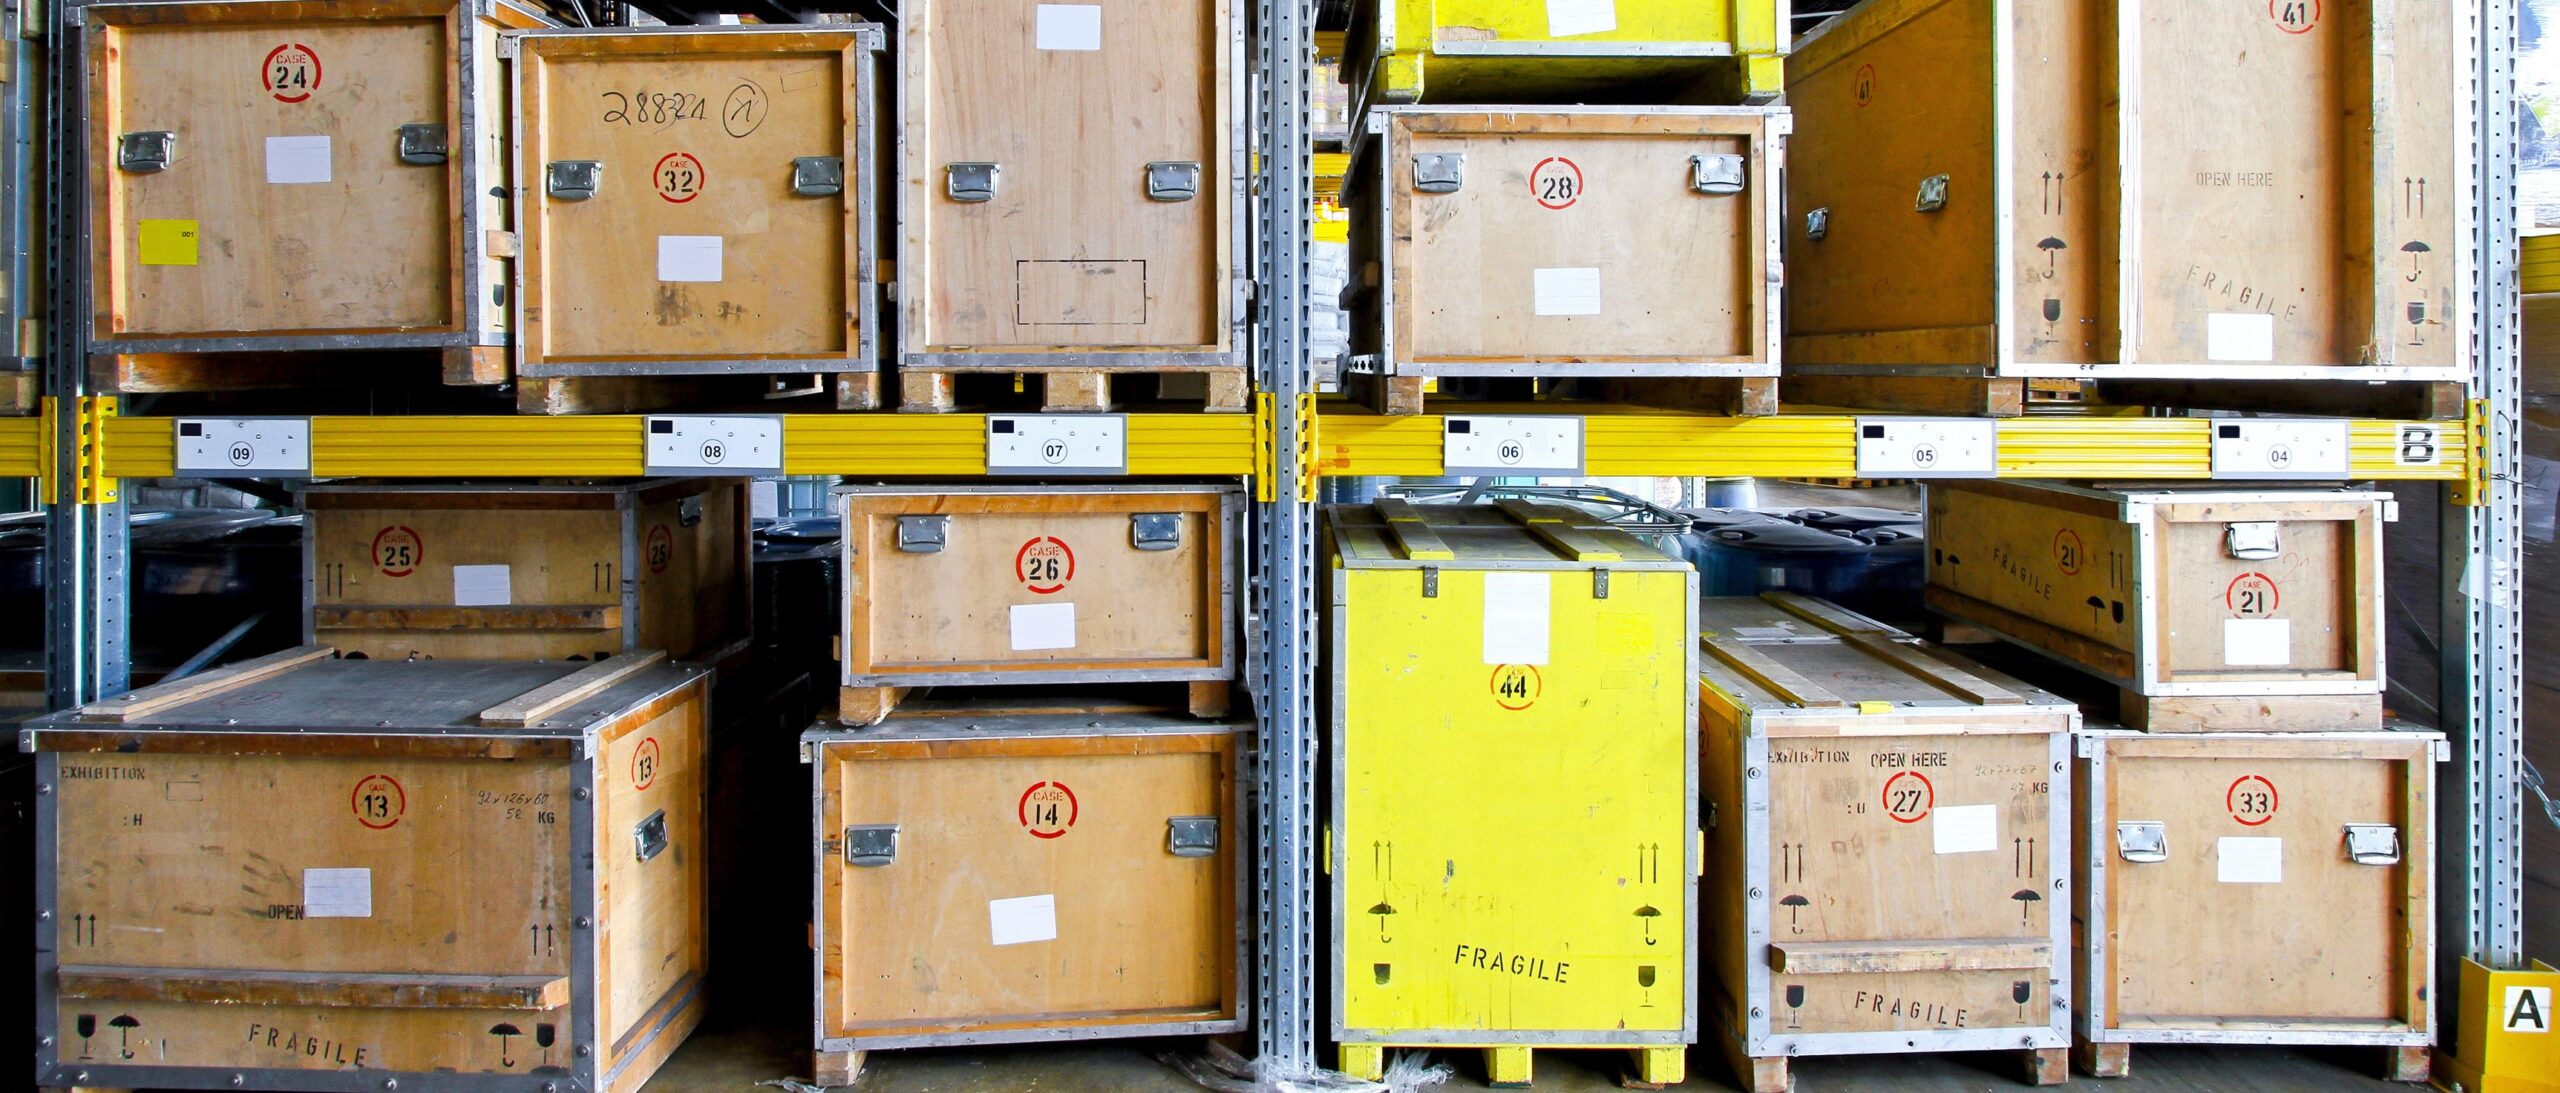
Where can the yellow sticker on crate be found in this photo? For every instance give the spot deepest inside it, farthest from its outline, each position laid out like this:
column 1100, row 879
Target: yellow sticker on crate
column 168, row 242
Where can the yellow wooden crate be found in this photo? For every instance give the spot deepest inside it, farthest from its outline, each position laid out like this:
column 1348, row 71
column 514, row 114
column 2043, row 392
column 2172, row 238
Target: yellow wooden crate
column 1513, row 783
column 1554, row 50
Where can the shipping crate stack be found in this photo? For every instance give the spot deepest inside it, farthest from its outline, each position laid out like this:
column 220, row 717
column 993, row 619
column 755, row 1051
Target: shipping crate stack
column 2256, row 777
column 1504, row 243
column 2255, row 206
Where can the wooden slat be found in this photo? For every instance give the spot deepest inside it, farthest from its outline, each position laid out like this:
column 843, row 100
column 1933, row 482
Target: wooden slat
column 1548, row 524
column 366, row 990
column 1827, row 615
column 525, row 617
column 1892, row 957
column 1413, row 535
column 161, row 696
column 1768, row 673
column 1867, row 635
column 541, row 702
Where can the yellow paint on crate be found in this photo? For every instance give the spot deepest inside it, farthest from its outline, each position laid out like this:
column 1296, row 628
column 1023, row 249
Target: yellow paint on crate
column 1447, row 50
column 167, row 242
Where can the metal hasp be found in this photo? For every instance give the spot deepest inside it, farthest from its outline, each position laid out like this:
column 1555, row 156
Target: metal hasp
column 1817, row 225
column 971, row 182
column 1933, row 194
column 1173, row 181
column 871, row 845
column 146, row 152
column 923, row 534
column 1716, row 174
column 2373, row 844
column 2254, row 541
column 1191, row 836
column 817, row 176
column 2143, row 842
column 1439, row 172
column 572, row 179
column 650, row 838
column 422, row 144
column 1155, row 530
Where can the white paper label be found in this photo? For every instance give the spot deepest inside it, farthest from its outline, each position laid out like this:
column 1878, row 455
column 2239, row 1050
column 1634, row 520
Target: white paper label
column 2239, row 337
column 1515, row 618
column 2528, row 1009
column 295, row 160
column 483, row 586
column 337, row 893
column 689, row 258
column 1044, row 626
column 2257, row 643
column 1570, row 290
column 2239, row 860
column 1024, row 918
column 1566, row 18
column 1965, row 829
column 1067, row 26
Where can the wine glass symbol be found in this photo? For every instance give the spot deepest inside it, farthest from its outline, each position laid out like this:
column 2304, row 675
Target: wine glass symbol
column 1644, row 978
column 546, row 1035
column 88, row 1026
column 1795, row 1001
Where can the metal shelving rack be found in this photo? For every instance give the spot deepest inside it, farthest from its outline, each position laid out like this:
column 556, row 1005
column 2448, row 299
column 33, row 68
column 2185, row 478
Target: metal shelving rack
column 79, row 449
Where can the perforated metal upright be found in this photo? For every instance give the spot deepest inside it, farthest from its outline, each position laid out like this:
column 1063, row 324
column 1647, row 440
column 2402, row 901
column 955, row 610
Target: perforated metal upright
column 87, row 656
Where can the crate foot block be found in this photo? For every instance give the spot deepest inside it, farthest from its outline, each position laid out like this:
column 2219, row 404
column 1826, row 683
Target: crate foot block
column 857, row 390
column 476, row 366
column 1208, row 698
column 1368, row 1061
column 864, row 706
column 2407, row 1064
column 1395, row 396
column 2045, row 1066
column 2099, row 1060
column 836, row 1069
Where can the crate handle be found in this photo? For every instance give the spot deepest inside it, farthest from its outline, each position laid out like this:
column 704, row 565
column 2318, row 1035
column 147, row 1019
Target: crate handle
column 1172, row 180
column 1716, row 173
column 1933, row 194
column 572, row 179
column 146, row 152
column 817, row 176
column 871, row 845
column 1155, row 530
column 2373, row 844
column 650, row 838
column 1439, row 172
column 2254, row 541
column 2143, row 842
column 422, row 144
column 971, row 183
column 1191, row 836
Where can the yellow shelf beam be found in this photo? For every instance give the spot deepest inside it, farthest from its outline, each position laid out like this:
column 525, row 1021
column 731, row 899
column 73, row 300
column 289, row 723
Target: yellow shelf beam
column 21, row 447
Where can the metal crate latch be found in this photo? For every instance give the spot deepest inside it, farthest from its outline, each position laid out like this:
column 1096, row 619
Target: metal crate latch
column 146, row 152
column 1933, row 194
column 1431, row 582
column 2253, row 542
column 871, row 845
column 689, row 511
column 923, row 534
column 1599, row 584
column 1716, row 174
column 572, row 179
column 970, row 182
column 817, row 176
column 2143, row 842
column 1439, row 172
column 650, row 838
column 1173, row 181
column 2373, row 844
column 1191, row 836
column 422, row 144
column 1817, row 225
column 1155, row 530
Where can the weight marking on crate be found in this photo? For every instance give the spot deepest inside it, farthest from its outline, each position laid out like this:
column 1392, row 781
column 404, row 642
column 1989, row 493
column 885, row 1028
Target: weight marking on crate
column 661, row 548
column 644, row 763
column 290, row 72
column 678, row 177
column 1908, row 804
column 398, row 550
column 2251, row 795
column 379, row 801
column 1556, row 183
column 1044, row 565
column 1038, row 813
column 1516, row 686
column 2251, row 596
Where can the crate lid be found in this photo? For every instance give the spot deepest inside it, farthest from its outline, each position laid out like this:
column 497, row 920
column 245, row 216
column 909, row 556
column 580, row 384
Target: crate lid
column 1788, row 655
column 999, row 726
column 1508, row 534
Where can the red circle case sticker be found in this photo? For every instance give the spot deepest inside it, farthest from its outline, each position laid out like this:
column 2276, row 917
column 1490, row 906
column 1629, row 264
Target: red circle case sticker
column 1908, row 797
column 398, row 551
column 1047, row 809
column 2251, row 800
column 661, row 548
column 2251, row 596
column 2068, row 552
column 1556, row 182
column 1862, row 87
column 678, row 177
column 291, row 72
column 644, row 763
column 1044, row 564
column 1517, row 686
column 378, row 801
column 2294, row 16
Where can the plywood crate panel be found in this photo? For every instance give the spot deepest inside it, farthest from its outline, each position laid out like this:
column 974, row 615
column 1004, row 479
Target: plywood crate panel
column 2199, row 603
column 2134, row 188
column 1480, row 51
column 1050, row 584
column 1512, row 781
column 252, row 186
column 729, row 223
column 311, row 873
column 1071, row 177
column 527, row 571
column 986, row 877
column 1568, row 242
column 1889, row 837
column 2257, row 889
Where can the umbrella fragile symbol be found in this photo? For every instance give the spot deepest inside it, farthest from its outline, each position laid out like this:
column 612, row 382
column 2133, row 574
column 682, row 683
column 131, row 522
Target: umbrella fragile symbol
column 2027, row 900
column 505, row 1032
column 1646, row 914
column 2413, row 249
column 1793, row 904
column 124, row 1024
column 1382, row 911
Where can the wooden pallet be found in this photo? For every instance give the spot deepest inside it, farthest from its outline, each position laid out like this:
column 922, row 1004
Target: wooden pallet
column 861, row 707
column 1510, row 1066
column 2398, row 1064
column 1852, row 483
column 19, row 392
column 458, row 367
column 1970, row 396
column 2057, row 391
column 2036, row 1066
column 1729, row 396
column 1081, row 390
column 2407, row 400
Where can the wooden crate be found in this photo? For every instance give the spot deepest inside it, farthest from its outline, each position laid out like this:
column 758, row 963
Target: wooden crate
column 297, row 872
column 2213, row 609
column 729, row 225
column 288, row 209
column 978, row 585
column 1527, row 244
column 1511, row 786
column 1889, row 824
column 2221, row 898
column 986, row 877
column 1028, row 240
column 1987, row 191
column 1483, row 51
column 527, row 571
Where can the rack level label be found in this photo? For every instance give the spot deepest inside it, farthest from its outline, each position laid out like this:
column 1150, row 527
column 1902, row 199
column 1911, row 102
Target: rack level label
column 2268, row 449
column 1057, row 444
column 2420, row 444
column 1474, row 444
column 690, row 444
column 270, row 446
column 1928, row 447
